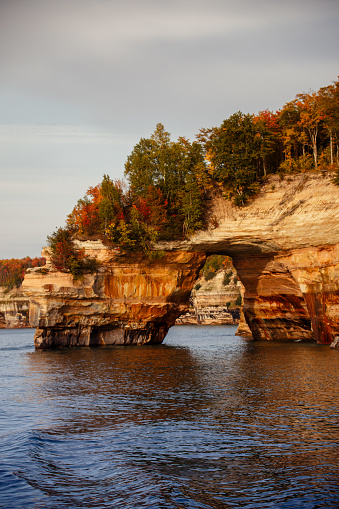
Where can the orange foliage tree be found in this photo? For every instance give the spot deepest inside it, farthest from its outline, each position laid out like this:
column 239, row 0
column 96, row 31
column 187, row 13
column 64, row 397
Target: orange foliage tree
column 168, row 181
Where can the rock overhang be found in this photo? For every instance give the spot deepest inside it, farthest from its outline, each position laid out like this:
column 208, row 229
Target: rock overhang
column 284, row 245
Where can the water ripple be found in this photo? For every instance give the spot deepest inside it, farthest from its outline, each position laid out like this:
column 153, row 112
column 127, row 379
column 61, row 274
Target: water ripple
column 205, row 421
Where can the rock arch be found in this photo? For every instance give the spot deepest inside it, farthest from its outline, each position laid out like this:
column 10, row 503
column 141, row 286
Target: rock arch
column 284, row 246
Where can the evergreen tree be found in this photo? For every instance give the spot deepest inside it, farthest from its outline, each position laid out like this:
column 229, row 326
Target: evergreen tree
column 234, row 150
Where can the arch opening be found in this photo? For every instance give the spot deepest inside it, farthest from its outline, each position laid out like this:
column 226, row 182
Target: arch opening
column 273, row 306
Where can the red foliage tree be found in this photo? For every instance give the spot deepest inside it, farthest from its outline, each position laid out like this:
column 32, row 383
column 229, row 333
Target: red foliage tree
column 12, row 272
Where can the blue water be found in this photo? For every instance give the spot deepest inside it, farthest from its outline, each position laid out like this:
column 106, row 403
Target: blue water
column 206, row 420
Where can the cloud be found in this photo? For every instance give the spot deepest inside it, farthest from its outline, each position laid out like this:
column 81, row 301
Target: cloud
column 64, row 134
column 99, row 44
column 104, row 72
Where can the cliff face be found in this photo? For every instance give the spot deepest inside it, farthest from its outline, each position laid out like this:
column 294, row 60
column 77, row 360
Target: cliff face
column 14, row 308
column 284, row 246
column 130, row 300
column 212, row 301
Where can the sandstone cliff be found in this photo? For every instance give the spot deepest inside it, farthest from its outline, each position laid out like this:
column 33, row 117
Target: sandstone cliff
column 213, row 302
column 284, row 246
column 14, row 308
column 131, row 299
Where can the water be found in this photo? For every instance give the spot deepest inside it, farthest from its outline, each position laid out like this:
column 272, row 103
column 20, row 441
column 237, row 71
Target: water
column 206, row 420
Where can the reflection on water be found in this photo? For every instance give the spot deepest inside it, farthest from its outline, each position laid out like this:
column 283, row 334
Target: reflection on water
column 206, row 420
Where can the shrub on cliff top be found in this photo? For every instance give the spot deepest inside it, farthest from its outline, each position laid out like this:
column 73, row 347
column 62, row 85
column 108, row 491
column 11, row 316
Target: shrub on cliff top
column 64, row 256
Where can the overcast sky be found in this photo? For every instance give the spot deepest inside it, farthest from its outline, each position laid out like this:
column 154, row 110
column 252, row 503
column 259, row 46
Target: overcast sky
column 83, row 80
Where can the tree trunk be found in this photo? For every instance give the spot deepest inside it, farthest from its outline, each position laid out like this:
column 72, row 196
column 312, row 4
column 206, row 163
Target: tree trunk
column 331, row 146
column 313, row 135
column 315, row 154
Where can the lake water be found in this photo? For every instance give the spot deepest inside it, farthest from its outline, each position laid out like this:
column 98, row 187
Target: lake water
column 206, row 420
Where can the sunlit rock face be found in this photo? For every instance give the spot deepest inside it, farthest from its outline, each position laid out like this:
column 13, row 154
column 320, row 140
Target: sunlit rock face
column 274, row 306
column 316, row 271
column 284, row 246
column 131, row 300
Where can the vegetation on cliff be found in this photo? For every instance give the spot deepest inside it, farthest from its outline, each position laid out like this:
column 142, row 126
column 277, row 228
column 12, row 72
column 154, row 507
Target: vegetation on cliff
column 164, row 201
column 218, row 277
column 65, row 256
column 12, row 272
column 302, row 136
column 215, row 263
column 167, row 182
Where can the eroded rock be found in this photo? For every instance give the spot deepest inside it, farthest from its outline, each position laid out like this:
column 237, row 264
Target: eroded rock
column 131, row 300
column 284, row 246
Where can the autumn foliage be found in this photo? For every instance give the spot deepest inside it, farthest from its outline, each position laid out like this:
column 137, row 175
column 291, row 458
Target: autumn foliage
column 167, row 181
column 214, row 263
column 12, row 272
column 302, row 136
column 66, row 256
column 164, row 201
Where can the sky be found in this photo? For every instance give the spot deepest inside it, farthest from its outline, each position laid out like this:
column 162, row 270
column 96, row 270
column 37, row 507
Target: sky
column 83, row 80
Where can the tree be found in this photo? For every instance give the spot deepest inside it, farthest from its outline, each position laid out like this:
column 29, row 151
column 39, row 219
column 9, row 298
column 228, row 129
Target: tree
column 84, row 218
column 311, row 115
column 177, row 170
column 111, row 201
column 233, row 150
column 65, row 256
column 291, row 134
column 12, row 272
column 329, row 103
column 268, row 130
column 141, row 167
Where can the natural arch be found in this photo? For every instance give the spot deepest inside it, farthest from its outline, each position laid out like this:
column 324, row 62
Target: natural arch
column 284, row 246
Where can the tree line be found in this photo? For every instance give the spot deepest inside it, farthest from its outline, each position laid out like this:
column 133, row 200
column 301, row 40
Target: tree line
column 166, row 183
column 12, row 272
column 302, row 136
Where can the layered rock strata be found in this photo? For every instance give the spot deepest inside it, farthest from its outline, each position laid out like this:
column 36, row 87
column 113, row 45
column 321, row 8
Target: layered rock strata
column 131, row 300
column 284, row 246
column 213, row 302
column 209, row 315
column 14, row 309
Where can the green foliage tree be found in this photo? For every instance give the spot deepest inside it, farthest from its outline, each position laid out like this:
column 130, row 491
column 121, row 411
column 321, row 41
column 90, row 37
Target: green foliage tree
column 178, row 170
column 110, row 203
column 133, row 234
column 234, row 150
